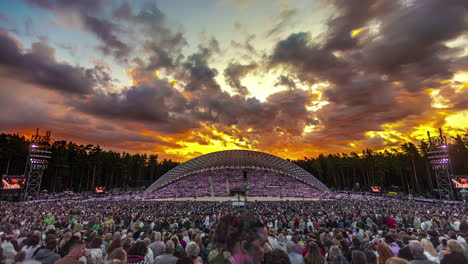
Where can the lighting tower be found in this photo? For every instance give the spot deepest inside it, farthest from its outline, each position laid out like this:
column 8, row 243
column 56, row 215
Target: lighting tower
column 39, row 154
column 438, row 156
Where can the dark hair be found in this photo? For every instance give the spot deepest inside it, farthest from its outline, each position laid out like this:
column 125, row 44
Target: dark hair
column 51, row 244
column 356, row 242
column 117, row 253
column 370, row 257
column 96, row 242
column 277, row 256
column 73, row 242
column 406, row 239
column 314, row 256
column 139, row 249
column 358, row 257
column 184, row 260
column 116, row 243
column 389, row 239
column 32, row 240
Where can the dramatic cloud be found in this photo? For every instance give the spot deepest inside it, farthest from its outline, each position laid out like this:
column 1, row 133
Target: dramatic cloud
column 286, row 81
column 154, row 103
column 234, row 72
column 40, row 67
column 375, row 74
column 351, row 16
column 105, row 31
column 310, row 61
column 88, row 10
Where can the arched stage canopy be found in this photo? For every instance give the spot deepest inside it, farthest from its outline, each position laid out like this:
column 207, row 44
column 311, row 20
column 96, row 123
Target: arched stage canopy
column 236, row 159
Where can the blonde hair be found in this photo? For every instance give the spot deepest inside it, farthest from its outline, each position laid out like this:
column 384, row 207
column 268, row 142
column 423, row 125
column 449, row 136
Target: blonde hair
column 428, row 247
column 455, row 247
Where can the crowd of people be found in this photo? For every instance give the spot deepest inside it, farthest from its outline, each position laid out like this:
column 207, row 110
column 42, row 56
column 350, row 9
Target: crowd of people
column 349, row 229
column 220, row 183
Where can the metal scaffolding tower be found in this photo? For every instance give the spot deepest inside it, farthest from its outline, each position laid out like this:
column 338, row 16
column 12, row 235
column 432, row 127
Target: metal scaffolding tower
column 439, row 159
column 38, row 158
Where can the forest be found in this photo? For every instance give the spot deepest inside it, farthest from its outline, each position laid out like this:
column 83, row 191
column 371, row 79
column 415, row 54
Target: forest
column 83, row 167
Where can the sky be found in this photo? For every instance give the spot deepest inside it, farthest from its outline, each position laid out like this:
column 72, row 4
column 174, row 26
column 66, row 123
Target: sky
column 182, row 78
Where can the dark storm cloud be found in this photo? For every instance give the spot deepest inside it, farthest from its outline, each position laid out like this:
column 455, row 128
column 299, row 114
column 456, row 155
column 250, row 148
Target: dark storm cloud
column 105, row 31
column 197, row 74
column 412, row 47
column 286, row 81
column 153, row 103
column 234, row 72
column 381, row 80
column 39, row 67
column 163, row 45
column 93, row 22
column 309, row 60
column 352, row 15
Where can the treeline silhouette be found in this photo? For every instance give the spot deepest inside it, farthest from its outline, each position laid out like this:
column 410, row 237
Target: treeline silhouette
column 83, row 167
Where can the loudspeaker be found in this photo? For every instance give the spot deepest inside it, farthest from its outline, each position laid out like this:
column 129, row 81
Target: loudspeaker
column 245, row 175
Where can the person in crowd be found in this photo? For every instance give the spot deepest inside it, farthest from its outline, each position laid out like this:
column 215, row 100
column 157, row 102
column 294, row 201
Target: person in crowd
column 117, row 256
column 76, row 250
column 429, row 250
column 149, row 257
column 31, row 244
column 383, row 252
column 358, row 257
column 95, row 250
column 405, row 252
column 158, row 245
column 168, row 255
column 417, row 251
column 63, row 241
column 9, row 251
column 313, row 255
column 281, row 241
column 335, row 256
column 244, row 236
column 396, row 260
column 371, row 258
column 355, row 246
column 179, row 249
column 454, row 253
column 116, row 243
column 277, row 256
column 192, row 251
column 47, row 254
column 392, row 245
column 294, row 253
column 137, row 253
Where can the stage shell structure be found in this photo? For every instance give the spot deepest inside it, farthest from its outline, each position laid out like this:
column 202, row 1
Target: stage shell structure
column 231, row 172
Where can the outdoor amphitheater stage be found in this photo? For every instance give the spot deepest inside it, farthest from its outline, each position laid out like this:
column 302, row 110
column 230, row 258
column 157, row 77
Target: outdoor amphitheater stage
column 235, row 199
column 223, row 175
